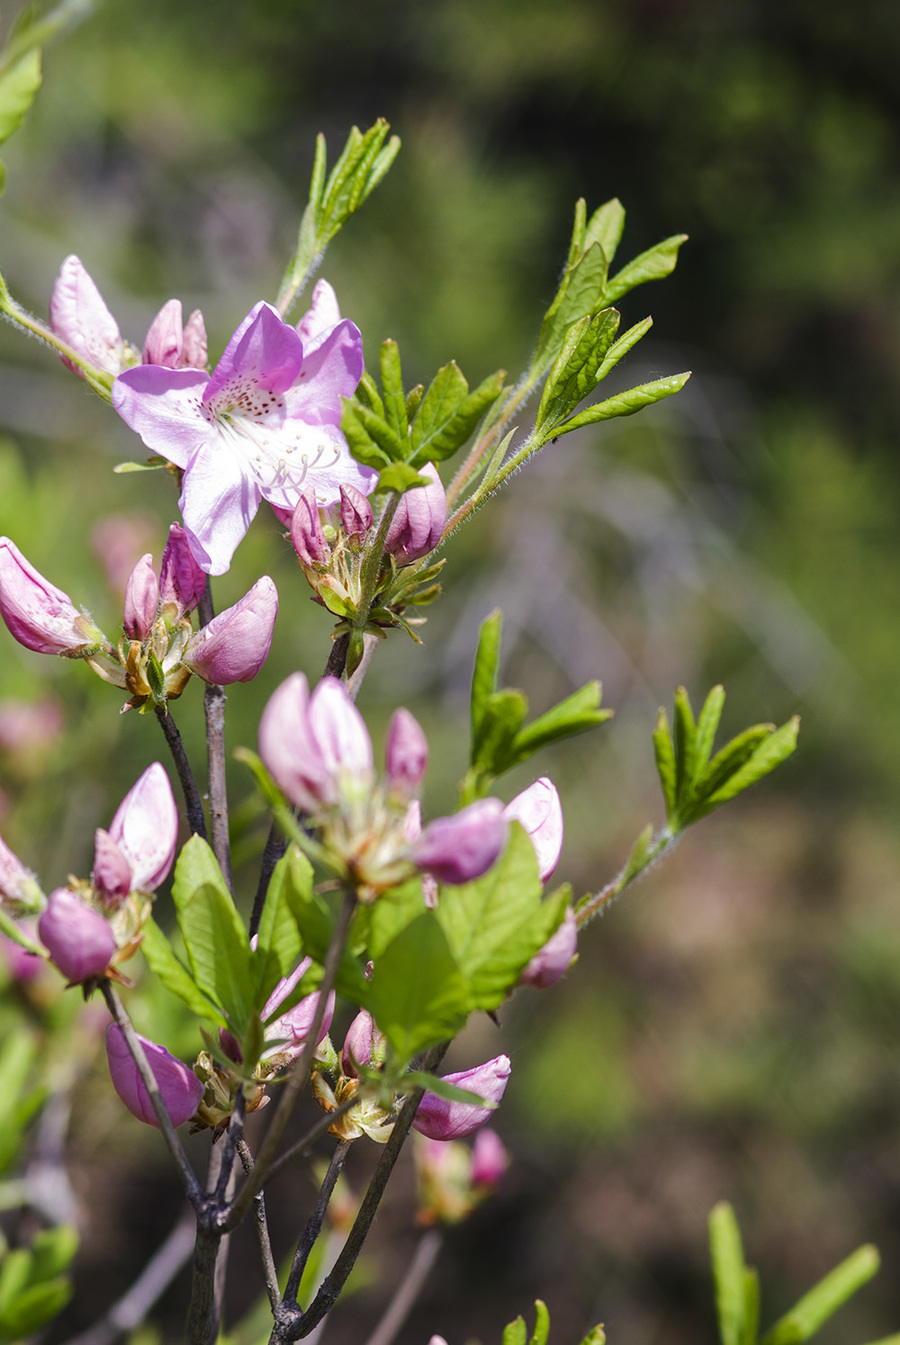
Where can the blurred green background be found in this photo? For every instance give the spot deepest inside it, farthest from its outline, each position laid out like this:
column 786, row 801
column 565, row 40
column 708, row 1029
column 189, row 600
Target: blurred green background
column 731, row 1028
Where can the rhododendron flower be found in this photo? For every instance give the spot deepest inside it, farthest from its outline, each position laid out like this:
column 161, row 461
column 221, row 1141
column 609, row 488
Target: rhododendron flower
column 39, row 615
column 18, row 885
column 464, row 845
column 554, row 959
column 265, row 424
column 418, row 523
column 236, row 643
column 438, row 1119
column 292, row 1028
column 145, row 828
column 540, row 812
column 315, row 745
column 179, row 1086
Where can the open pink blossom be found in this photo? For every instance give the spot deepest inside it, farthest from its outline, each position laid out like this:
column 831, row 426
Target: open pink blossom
column 145, row 828
column 263, row 426
column 180, row 1088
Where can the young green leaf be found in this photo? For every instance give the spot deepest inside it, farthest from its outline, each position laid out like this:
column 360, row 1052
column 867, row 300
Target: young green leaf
column 19, row 84
column 664, row 750
column 399, row 477
column 579, row 225
column 446, row 429
column 597, row 1336
column 730, row 759
column 620, row 348
column 574, row 371
column 515, row 1333
column 166, row 965
column 576, row 714
column 685, row 746
column 625, row 403
column 639, row 857
column 541, row 1323
column 581, row 292
column 486, row 669
column 34, row 1307
column 215, row 938
column 370, row 437
column 417, row 995
column 707, row 724
column 728, row 1268
column 605, row 227
column 654, row 264
column 52, row 1251
column 750, row 1334
column 392, row 390
column 823, row 1300
column 775, row 748
column 315, row 917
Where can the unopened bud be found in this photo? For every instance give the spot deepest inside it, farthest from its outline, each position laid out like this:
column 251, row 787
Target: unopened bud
column 236, row 643
column 181, row 581
column 145, row 828
column 38, row 615
column 18, row 885
column 179, row 1087
column 406, row 754
column 554, row 959
column 141, row 599
column 439, row 1119
column 307, row 534
column 418, row 523
column 364, row 1044
column 112, row 872
column 194, row 352
column 79, row 315
column 463, row 846
column 78, row 938
column 489, row 1160
column 165, row 338
column 540, row 812
column 356, row 512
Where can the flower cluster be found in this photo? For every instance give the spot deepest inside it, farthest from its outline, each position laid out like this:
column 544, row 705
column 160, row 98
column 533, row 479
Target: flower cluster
column 159, row 650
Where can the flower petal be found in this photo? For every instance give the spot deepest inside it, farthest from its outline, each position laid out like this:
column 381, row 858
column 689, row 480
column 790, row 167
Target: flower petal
column 163, row 407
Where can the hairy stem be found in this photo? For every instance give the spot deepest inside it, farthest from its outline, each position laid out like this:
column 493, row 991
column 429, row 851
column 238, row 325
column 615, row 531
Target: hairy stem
column 596, row 903
column 188, row 1177
column 193, row 805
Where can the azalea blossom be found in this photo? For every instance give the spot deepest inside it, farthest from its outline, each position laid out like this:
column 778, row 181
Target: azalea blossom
column 264, row 425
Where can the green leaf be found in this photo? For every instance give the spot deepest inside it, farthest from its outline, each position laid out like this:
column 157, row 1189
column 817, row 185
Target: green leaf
column 541, row 1323
column 727, row 1256
column 707, row 724
column 625, row 403
column 361, row 166
column 165, row 964
column 392, row 912
column 446, row 435
column 515, row 1333
column 621, row 347
column 417, row 995
column 576, row 714
column 654, row 264
column 18, row 86
column 399, row 477
column 495, row 924
column 493, row 748
column 215, row 939
column 750, row 1333
column 442, row 400
column 486, row 669
column 52, row 1250
column 16, row 1059
column 35, row 1306
column 597, row 1336
column 392, row 390
column 579, row 226
column 15, row 932
column 823, row 1300
column 664, row 750
column 685, row 746
column 365, row 429
column 574, row 372
column 315, row 917
column 729, row 760
column 605, row 227
column 774, row 749
column 14, row 1276
column 580, row 293
column 638, row 858
column 278, row 943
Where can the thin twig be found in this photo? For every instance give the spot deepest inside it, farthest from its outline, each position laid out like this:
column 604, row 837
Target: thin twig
column 189, row 1180
column 314, row 1222
column 299, row 1074
column 408, row 1289
column 262, row 1231
column 131, row 1309
column 193, row 805
column 275, row 848
column 214, row 705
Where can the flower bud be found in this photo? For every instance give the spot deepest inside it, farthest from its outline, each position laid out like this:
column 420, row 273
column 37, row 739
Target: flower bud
column 489, row 1160
column 418, row 523
column 364, row 1044
column 540, row 812
column 307, row 534
column 236, row 643
column 181, row 581
column 406, row 754
column 112, row 872
column 18, row 885
column 165, row 337
column 179, row 1087
column 315, row 746
column 553, row 960
column 145, row 828
column 141, row 599
column 78, row 939
column 438, row 1119
column 38, row 615
column 464, row 845
column 194, row 353
column 356, row 512
column 320, row 319
column 294, row 1025
column 79, row 315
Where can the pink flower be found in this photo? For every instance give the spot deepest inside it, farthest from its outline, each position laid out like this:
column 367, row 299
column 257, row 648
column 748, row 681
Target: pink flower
column 180, row 1088
column 438, row 1119
column 554, row 959
column 112, row 872
column 364, row 1044
column 38, row 615
column 418, row 523
column 540, row 812
column 145, row 828
column 181, row 581
column 293, row 1027
column 315, row 746
column 79, row 940
column 489, row 1160
column 406, row 754
column 236, row 643
column 18, row 885
column 265, row 424
column 141, row 599
column 463, row 846
column 173, row 345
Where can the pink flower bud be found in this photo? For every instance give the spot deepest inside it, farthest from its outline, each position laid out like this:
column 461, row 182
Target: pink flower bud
column 489, row 1160
column 18, row 884
column 294, row 1025
column 181, row 581
column 356, row 512
column 307, row 534
column 317, row 746
column 418, row 524
column 194, row 352
column 406, row 754
column 112, row 872
column 165, row 338
column 553, row 960
column 320, row 319
column 145, row 828
column 180, row 1088
column 141, row 599
column 78, row 939
column 464, row 845
column 439, row 1119
column 363, row 1044
column 540, row 812
column 236, row 643
column 38, row 615
column 79, row 315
